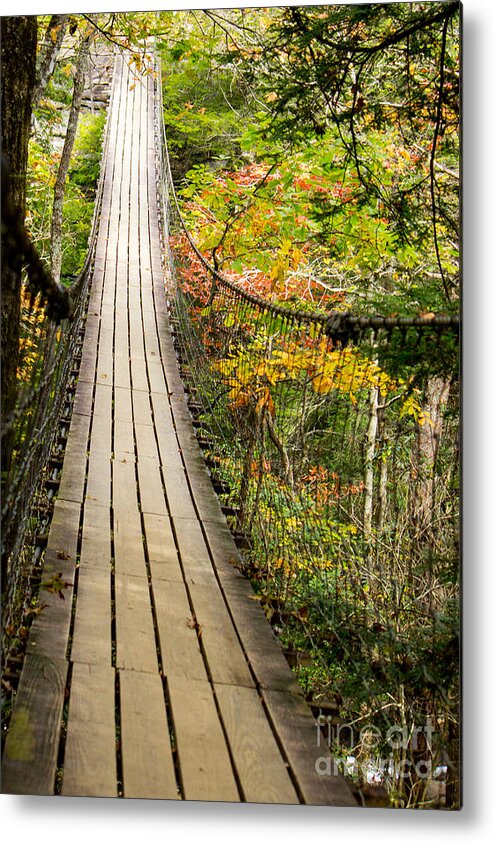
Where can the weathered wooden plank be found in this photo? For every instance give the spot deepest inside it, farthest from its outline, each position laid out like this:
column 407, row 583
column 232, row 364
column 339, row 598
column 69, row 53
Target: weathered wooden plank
column 156, row 375
column 134, row 287
column 93, row 316
column 163, row 418
column 205, row 766
column 160, row 307
column 83, row 398
column 107, row 306
column 179, row 644
column 148, row 311
column 101, row 430
column 136, row 645
column 260, row 645
column 224, row 655
column 122, row 363
column 297, row 731
column 50, row 629
column 124, row 441
column 174, row 383
column 91, row 639
column 100, row 255
column 146, row 442
column 103, row 402
column 139, row 373
column 207, row 504
column 104, row 366
column 90, row 767
column 123, row 404
column 261, row 769
column 93, row 320
column 87, row 366
column 178, row 494
column 124, row 488
column 149, row 320
column 227, row 560
column 98, row 487
column 122, row 311
column 168, row 354
column 153, row 352
column 74, row 464
column 96, row 543
column 29, row 763
column 193, row 550
column 167, row 346
column 122, row 372
column 147, row 760
column 162, row 553
column 61, row 549
column 129, row 548
column 258, row 640
column 127, row 531
column 151, row 486
column 169, row 454
column 142, row 407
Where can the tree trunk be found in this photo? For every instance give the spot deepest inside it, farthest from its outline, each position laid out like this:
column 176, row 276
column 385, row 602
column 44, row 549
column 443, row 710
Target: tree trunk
column 370, row 452
column 383, row 478
column 253, row 433
column 285, row 459
column 59, row 189
column 18, row 52
column 428, row 439
column 48, row 55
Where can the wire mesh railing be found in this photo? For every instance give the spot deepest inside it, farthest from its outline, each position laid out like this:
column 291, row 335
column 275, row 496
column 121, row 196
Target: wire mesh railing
column 333, row 441
column 34, row 434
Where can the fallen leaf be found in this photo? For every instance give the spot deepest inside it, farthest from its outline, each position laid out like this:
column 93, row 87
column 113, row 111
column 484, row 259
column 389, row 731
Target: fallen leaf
column 193, row 624
column 56, row 585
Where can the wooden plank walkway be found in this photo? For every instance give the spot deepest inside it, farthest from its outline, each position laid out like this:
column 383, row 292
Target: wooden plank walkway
column 158, row 675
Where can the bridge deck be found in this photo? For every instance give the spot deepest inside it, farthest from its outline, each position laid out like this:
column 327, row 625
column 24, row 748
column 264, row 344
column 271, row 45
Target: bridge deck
column 157, row 676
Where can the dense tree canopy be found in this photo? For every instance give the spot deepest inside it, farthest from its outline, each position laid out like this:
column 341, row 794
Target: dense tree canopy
column 372, row 70
column 337, row 128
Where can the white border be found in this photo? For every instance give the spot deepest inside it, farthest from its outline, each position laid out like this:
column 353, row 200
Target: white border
column 75, row 819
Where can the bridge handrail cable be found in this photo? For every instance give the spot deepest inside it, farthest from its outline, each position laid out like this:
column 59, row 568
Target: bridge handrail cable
column 335, row 323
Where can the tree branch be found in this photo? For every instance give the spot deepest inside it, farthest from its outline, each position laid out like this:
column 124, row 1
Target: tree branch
column 433, row 155
column 423, row 22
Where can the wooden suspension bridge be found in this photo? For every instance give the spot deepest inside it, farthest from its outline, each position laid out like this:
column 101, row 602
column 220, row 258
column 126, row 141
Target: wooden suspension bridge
column 158, row 675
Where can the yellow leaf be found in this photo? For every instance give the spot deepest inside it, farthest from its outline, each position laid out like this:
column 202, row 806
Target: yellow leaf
column 322, row 384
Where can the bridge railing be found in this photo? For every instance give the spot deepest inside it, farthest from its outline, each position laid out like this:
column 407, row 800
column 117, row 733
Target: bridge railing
column 34, row 434
column 333, row 441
